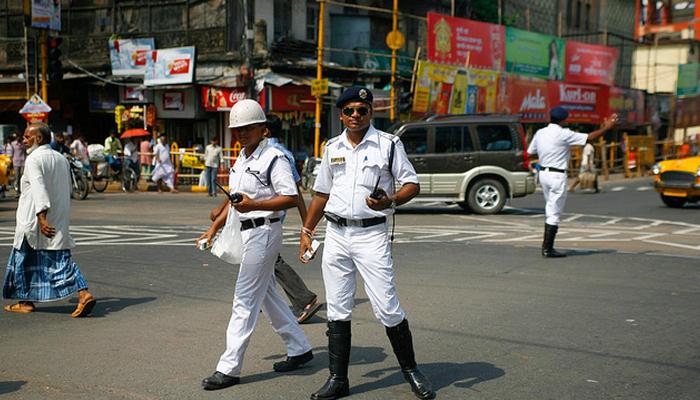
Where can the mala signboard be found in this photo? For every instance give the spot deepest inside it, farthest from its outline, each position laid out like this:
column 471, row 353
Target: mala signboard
column 527, row 97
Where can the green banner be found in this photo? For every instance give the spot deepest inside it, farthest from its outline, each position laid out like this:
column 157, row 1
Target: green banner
column 534, row 54
column 380, row 60
column 688, row 79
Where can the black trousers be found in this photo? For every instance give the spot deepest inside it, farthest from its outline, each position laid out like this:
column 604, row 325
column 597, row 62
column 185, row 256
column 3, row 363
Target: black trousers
column 292, row 284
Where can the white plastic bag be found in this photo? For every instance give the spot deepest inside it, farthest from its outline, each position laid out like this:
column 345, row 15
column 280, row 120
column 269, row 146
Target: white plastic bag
column 228, row 246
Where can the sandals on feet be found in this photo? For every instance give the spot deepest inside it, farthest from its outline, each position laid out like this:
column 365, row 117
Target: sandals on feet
column 309, row 311
column 19, row 308
column 84, row 308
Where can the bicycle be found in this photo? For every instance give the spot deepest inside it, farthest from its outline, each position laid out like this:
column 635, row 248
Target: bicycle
column 104, row 173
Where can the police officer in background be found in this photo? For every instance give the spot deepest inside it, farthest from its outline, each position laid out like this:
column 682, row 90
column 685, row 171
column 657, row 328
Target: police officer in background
column 361, row 159
column 262, row 176
column 552, row 145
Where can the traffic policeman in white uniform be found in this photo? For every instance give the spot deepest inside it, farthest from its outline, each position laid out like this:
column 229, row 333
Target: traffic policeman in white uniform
column 552, row 145
column 361, row 159
column 263, row 177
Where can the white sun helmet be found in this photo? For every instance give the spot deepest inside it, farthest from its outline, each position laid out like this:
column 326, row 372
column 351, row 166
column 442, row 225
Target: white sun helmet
column 246, row 112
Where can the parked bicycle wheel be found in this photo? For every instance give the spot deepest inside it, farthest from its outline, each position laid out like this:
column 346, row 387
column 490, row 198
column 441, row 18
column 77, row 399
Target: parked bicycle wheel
column 130, row 180
column 80, row 187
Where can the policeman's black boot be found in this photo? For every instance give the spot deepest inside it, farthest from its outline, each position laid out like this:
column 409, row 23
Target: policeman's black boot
column 402, row 343
column 550, row 232
column 337, row 385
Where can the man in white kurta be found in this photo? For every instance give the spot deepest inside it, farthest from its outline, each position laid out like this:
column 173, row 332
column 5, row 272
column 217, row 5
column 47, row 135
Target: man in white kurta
column 552, row 144
column 40, row 267
column 163, row 169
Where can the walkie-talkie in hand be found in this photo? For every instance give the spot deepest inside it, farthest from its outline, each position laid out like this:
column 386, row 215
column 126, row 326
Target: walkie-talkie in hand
column 376, row 193
column 234, row 198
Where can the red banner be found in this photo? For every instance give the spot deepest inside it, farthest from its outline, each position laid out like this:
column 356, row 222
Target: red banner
column 464, row 42
column 628, row 104
column 589, row 63
column 291, row 98
column 586, row 104
column 221, row 99
column 527, row 97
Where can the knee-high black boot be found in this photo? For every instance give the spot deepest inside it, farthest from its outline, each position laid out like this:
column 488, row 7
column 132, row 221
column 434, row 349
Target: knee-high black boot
column 550, row 232
column 337, row 385
column 402, row 343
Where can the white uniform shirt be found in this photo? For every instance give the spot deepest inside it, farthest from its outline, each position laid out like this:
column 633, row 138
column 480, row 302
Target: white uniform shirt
column 46, row 185
column 349, row 174
column 249, row 176
column 552, row 144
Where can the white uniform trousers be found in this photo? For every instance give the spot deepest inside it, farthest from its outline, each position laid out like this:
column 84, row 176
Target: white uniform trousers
column 554, row 189
column 367, row 250
column 255, row 290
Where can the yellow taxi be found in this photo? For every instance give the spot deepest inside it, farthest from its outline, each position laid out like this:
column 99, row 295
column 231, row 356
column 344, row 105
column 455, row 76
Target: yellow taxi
column 678, row 181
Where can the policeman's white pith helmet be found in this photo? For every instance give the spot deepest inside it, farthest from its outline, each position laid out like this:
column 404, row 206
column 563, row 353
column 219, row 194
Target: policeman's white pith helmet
column 246, row 112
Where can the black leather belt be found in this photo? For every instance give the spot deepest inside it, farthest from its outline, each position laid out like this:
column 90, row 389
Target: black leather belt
column 362, row 223
column 552, row 169
column 254, row 223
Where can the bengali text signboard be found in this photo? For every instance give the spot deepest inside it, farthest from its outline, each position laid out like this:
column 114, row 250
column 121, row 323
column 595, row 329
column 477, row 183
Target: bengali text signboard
column 467, row 43
column 586, row 103
column 590, row 64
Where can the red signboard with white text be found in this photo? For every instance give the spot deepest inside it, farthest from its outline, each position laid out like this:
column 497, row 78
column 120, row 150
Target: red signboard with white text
column 589, row 63
column 291, row 98
column 586, row 104
column 221, row 99
column 527, row 97
column 463, row 42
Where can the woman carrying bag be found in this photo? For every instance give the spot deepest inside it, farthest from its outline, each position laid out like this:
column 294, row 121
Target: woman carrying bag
column 265, row 187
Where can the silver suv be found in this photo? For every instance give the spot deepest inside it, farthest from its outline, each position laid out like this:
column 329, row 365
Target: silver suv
column 476, row 161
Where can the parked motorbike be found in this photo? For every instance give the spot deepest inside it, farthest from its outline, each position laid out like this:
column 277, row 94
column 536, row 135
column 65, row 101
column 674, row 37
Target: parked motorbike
column 79, row 181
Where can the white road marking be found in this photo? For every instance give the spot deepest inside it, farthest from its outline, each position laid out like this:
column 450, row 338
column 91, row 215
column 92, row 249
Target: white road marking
column 644, row 188
column 617, row 189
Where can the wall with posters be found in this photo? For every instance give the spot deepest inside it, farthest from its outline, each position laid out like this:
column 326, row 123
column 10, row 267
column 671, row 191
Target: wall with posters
column 534, row 54
column 591, row 64
column 463, row 42
column 177, row 103
column 586, row 104
column 527, row 97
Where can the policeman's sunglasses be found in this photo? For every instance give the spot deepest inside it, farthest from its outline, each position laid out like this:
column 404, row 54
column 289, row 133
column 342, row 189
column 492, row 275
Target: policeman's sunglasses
column 349, row 111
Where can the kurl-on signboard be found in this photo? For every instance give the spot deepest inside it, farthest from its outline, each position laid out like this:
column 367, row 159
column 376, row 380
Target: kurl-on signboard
column 589, row 63
column 586, row 104
column 466, row 43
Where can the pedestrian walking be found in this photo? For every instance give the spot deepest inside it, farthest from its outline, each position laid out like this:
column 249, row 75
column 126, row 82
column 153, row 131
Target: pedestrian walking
column 552, row 145
column 587, row 175
column 304, row 302
column 18, row 153
column 266, row 187
column 355, row 191
column 163, row 167
column 40, row 268
column 146, row 156
column 212, row 159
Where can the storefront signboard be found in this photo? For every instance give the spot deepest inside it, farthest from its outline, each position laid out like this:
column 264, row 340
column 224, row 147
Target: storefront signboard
column 466, row 43
column 170, row 66
column 586, row 104
column 688, row 83
column 590, row 63
column 220, row 98
column 534, row 54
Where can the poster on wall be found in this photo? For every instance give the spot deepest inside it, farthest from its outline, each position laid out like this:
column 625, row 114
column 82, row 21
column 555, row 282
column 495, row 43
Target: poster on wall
column 170, row 66
column 465, row 43
column 220, row 98
column 129, row 56
column 174, row 101
column 534, row 54
column 590, row 63
column 586, row 103
column 527, row 97
column 628, row 104
column 429, row 93
column 688, row 82
column 46, row 14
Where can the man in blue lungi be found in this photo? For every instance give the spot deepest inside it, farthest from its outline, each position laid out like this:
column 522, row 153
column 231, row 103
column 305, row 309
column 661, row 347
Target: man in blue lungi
column 40, row 267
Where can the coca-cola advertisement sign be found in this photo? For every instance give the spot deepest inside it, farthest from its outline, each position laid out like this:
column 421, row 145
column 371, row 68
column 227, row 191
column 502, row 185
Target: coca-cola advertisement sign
column 467, row 43
column 221, row 99
column 585, row 103
column 527, row 97
column 589, row 63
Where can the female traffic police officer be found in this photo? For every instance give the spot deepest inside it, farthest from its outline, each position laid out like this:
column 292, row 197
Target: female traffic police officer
column 356, row 236
column 267, row 187
column 552, row 145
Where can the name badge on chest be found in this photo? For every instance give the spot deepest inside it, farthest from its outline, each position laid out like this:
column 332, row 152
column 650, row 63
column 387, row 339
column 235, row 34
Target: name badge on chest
column 337, row 160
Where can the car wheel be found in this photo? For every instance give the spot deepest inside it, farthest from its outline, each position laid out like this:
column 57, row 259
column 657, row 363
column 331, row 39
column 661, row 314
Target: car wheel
column 486, row 196
column 674, row 202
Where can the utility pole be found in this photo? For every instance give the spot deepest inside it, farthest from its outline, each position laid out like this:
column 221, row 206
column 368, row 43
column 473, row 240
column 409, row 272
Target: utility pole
column 44, row 65
column 248, row 49
column 392, row 96
column 319, row 76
